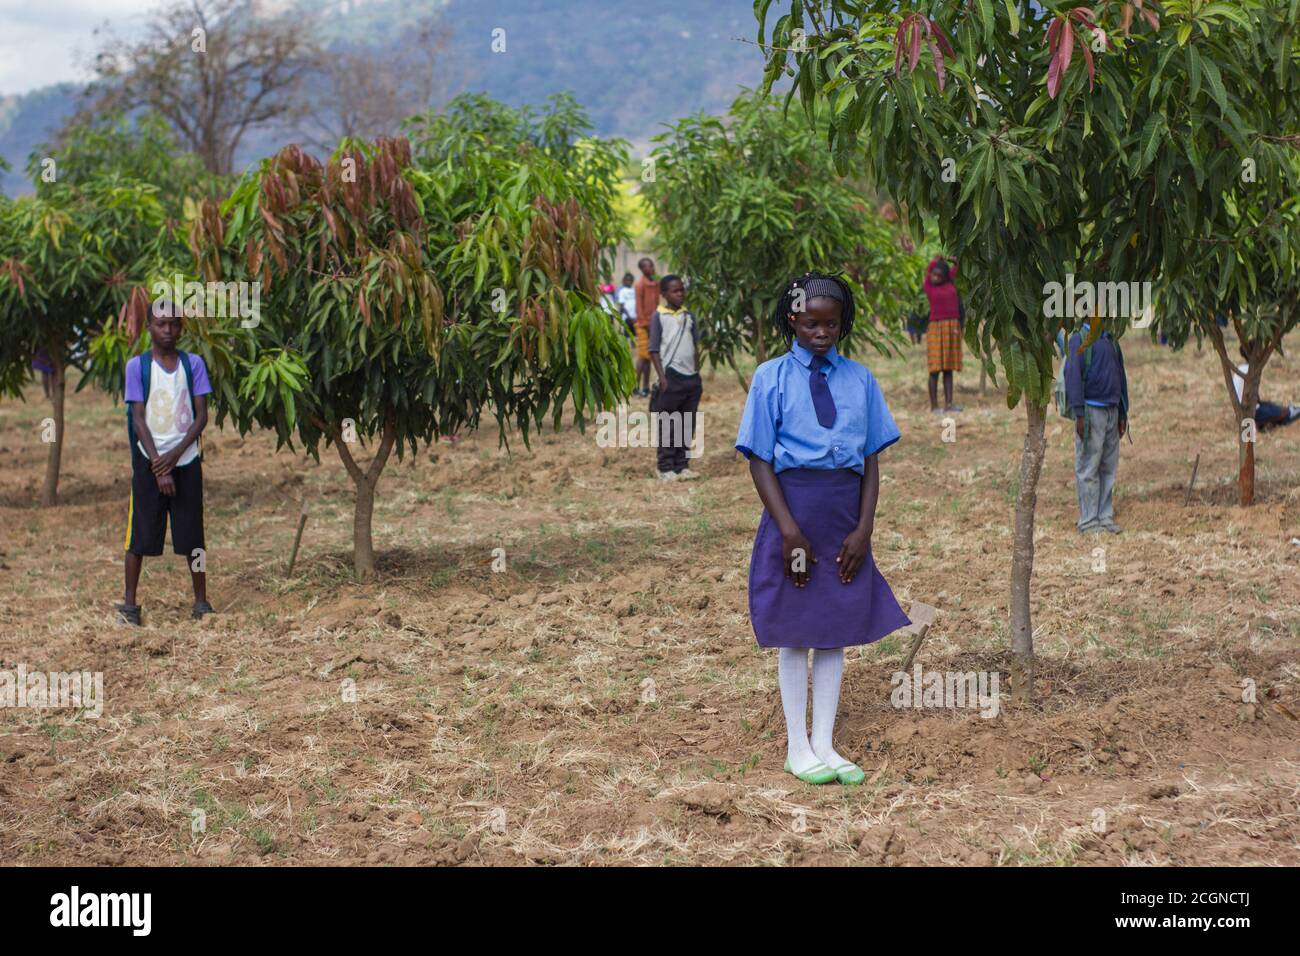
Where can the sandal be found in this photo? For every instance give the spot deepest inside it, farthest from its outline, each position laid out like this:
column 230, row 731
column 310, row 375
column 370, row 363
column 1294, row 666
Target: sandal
column 128, row 614
column 850, row 774
column 819, row 774
column 200, row 609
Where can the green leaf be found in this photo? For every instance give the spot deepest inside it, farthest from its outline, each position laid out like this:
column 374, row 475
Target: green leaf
column 1194, row 69
column 1215, row 81
column 986, row 18
column 1150, row 141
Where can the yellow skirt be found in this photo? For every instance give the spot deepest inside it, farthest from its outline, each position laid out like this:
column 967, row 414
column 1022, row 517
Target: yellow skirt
column 943, row 345
column 642, row 342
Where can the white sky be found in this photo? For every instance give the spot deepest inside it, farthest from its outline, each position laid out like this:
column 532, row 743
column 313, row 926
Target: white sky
column 49, row 41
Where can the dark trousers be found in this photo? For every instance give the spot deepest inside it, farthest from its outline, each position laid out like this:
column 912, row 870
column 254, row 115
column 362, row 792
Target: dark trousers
column 149, row 509
column 1268, row 413
column 677, row 402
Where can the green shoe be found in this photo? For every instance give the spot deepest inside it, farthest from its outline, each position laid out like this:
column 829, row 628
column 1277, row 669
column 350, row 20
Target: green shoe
column 819, row 774
column 850, row 774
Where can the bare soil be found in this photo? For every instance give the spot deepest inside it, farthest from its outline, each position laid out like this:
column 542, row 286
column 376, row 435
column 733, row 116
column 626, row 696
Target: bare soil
column 602, row 700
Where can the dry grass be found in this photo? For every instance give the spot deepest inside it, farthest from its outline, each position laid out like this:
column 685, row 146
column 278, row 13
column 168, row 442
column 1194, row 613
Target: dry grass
column 507, row 718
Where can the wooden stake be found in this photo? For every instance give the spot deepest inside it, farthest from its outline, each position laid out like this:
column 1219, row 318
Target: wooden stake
column 297, row 538
column 922, row 616
column 1195, row 465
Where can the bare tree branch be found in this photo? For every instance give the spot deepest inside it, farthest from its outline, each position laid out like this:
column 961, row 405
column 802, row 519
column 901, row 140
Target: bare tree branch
column 247, row 74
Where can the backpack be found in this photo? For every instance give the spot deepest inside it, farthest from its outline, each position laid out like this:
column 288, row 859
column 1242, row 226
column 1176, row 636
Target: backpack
column 1062, row 404
column 146, row 373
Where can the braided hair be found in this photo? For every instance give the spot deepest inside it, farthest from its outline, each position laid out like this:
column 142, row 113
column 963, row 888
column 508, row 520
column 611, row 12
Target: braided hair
column 813, row 285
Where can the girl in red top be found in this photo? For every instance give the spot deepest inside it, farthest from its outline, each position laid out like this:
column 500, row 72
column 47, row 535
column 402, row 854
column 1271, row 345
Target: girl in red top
column 943, row 343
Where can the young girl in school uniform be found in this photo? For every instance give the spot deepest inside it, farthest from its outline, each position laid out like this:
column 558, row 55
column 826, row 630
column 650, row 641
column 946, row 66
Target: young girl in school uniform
column 813, row 425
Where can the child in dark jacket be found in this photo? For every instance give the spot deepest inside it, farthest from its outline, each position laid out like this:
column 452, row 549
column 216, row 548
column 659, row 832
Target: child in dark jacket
column 1099, row 400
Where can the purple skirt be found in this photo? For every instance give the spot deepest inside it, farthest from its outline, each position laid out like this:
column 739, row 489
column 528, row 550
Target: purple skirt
column 827, row 612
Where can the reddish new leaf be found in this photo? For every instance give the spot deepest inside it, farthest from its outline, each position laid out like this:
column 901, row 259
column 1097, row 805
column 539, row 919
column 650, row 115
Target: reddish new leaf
column 1092, row 69
column 134, row 314
column 16, row 270
column 914, row 30
column 939, row 69
column 937, row 32
column 1066, row 52
column 1054, row 66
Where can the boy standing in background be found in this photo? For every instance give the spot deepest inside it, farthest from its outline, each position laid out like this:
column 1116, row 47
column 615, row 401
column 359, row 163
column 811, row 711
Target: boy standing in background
column 647, row 300
column 626, row 297
column 1096, row 388
column 674, row 341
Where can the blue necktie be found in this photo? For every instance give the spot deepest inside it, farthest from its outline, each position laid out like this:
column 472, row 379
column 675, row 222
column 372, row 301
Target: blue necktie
column 821, row 392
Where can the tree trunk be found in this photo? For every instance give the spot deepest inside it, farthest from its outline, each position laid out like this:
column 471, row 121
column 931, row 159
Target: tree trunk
column 1244, row 408
column 983, row 377
column 1246, row 449
column 363, row 549
column 53, row 460
column 1246, row 473
column 1022, row 561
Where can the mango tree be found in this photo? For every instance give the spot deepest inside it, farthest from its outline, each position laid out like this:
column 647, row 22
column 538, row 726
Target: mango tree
column 69, row 259
column 560, row 130
column 400, row 302
column 1000, row 122
column 743, row 203
column 1216, row 114
column 143, row 149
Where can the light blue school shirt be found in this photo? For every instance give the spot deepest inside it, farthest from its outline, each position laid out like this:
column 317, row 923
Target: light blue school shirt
column 780, row 424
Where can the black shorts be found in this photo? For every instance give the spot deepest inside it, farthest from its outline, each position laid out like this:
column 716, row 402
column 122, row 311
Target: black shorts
column 146, row 523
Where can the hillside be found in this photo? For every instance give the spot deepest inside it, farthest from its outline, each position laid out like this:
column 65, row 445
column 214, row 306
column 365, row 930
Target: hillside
column 634, row 67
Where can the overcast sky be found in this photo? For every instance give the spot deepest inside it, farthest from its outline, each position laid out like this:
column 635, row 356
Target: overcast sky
column 49, row 41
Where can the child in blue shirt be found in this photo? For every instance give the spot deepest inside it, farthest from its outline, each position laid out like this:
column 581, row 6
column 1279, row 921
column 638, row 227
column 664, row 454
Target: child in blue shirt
column 813, row 425
column 1099, row 400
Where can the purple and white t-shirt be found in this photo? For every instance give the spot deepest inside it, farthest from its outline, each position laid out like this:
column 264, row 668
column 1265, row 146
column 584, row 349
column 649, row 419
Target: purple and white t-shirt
column 168, row 411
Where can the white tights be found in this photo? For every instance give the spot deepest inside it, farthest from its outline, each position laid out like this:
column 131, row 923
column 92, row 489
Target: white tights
column 792, row 676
